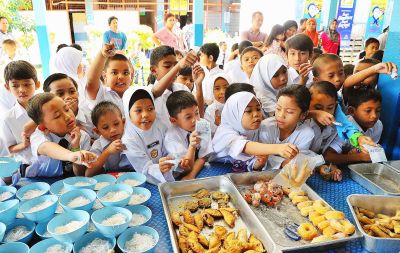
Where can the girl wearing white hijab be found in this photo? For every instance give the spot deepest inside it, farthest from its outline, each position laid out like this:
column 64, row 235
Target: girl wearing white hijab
column 216, row 93
column 237, row 138
column 268, row 77
column 144, row 136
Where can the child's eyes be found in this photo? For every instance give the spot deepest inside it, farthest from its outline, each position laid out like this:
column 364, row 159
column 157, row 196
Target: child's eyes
column 105, row 128
column 126, row 73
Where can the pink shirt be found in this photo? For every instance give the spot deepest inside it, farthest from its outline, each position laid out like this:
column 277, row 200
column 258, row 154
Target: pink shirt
column 328, row 45
column 167, row 38
column 254, row 36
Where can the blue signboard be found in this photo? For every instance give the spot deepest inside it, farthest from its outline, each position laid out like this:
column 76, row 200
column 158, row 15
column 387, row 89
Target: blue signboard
column 345, row 17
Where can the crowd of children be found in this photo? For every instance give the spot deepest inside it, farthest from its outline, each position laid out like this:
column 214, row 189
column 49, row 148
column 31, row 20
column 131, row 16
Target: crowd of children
column 263, row 105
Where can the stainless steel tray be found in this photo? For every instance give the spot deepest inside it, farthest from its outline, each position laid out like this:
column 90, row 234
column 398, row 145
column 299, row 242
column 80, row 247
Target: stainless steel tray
column 395, row 164
column 377, row 178
column 274, row 219
column 174, row 193
column 378, row 204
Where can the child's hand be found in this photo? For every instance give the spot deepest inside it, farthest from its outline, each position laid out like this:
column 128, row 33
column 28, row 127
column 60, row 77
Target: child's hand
column 108, row 50
column 185, row 164
column 75, row 137
column 188, row 61
column 116, row 147
column 331, row 172
column 324, row 118
column 198, row 74
column 260, row 162
column 194, row 139
column 304, row 70
column 26, row 141
column 385, row 68
column 165, row 167
column 286, row 150
column 364, row 157
column 336, row 173
column 83, row 157
column 365, row 140
column 217, row 121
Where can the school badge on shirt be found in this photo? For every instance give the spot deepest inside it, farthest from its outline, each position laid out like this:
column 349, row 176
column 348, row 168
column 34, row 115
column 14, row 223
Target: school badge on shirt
column 154, row 153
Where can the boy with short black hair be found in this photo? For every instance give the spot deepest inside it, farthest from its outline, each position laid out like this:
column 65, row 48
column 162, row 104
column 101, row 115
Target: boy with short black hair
column 185, row 77
column 371, row 45
column 299, row 49
column 233, row 68
column 181, row 140
column 248, row 60
column 57, row 140
column 303, row 23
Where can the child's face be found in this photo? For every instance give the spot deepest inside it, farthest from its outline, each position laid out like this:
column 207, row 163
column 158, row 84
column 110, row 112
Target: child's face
column 280, row 79
column 288, row 113
column 248, row 61
column 371, row 49
column 332, row 72
column 10, row 50
column 186, row 119
column 367, row 113
column 65, row 89
column 252, row 115
column 114, row 25
column 110, row 126
column 143, row 114
column 205, row 60
column 186, row 80
column 58, row 118
column 22, row 90
column 371, row 80
column 297, row 57
column 118, row 76
column 322, row 102
column 163, row 66
column 220, row 86
column 290, row 32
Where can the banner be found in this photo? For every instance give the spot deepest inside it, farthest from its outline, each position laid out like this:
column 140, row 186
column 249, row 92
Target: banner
column 178, row 7
column 345, row 17
column 313, row 9
column 376, row 18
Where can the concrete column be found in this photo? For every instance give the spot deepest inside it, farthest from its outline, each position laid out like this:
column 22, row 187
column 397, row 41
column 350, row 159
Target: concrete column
column 198, row 18
column 160, row 14
column 89, row 12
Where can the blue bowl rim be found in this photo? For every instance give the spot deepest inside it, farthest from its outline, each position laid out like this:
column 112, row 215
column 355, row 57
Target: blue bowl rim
column 55, row 242
column 81, row 190
column 128, row 175
column 102, row 176
column 23, row 189
column 100, row 235
column 131, row 231
column 16, row 243
column 27, row 202
column 103, row 191
column 110, row 207
column 91, row 180
column 67, row 214
column 27, row 224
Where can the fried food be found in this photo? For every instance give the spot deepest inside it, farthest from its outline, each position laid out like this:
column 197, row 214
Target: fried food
column 298, row 199
column 229, row 218
column 307, row 231
column 320, row 206
column 191, row 227
column 213, row 212
column 176, row 218
column 222, row 203
column 208, row 219
column 183, row 231
column 194, row 243
column 219, row 195
column 204, row 202
column 183, row 244
column 334, row 215
column 198, row 220
column 192, row 205
column 214, row 241
column 202, row 193
column 203, row 240
column 367, row 213
column 305, row 204
column 188, row 217
column 220, row 231
column 258, row 246
column 242, row 235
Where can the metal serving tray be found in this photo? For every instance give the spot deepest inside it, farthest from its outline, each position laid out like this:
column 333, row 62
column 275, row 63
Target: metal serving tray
column 377, row 204
column 173, row 194
column 377, row 178
column 274, row 219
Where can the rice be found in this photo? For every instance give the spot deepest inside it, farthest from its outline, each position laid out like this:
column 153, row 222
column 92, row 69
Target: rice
column 137, row 199
column 16, row 233
column 78, row 201
column 69, row 227
column 5, row 195
column 116, row 219
column 33, row 194
column 115, row 196
column 97, row 205
column 137, row 219
column 140, row 242
column 96, row 246
column 41, row 206
column 81, row 183
column 131, row 182
column 57, row 248
column 101, row 185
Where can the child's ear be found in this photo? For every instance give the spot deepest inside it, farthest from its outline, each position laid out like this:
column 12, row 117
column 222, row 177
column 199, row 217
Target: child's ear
column 173, row 120
column 303, row 116
column 211, row 58
column 7, row 86
column 351, row 110
column 37, row 85
column 42, row 128
column 96, row 130
column 153, row 70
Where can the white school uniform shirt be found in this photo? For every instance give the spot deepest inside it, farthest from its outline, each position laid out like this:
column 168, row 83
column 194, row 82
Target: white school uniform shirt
column 3, row 148
column 11, row 129
column 234, row 70
column 294, row 77
column 145, row 148
column 44, row 166
column 302, row 137
column 322, row 138
column 261, row 77
column 209, row 114
column 84, row 120
column 7, row 100
column 114, row 162
column 231, row 138
column 208, row 77
column 106, row 94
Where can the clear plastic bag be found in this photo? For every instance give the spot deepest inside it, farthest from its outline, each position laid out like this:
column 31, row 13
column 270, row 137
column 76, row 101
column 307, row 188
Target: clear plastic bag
column 298, row 170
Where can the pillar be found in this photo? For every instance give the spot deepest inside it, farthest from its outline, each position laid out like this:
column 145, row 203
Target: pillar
column 333, row 5
column 89, row 12
column 39, row 11
column 198, row 18
column 160, row 14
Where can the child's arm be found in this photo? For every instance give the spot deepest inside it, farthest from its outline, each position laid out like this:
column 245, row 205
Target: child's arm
column 304, row 70
column 96, row 70
column 286, row 150
column 198, row 76
column 166, row 81
column 197, row 166
column 20, row 146
column 381, row 68
column 55, row 151
column 331, row 156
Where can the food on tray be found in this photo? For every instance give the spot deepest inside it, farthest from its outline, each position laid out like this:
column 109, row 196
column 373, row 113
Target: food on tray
column 268, row 192
column 176, row 218
column 307, row 231
column 296, row 175
column 208, row 219
column 229, row 217
column 220, row 195
column 379, row 225
column 213, row 212
column 203, row 193
column 334, row 215
column 204, row 202
column 188, row 217
column 192, row 205
column 320, row 206
column 198, row 220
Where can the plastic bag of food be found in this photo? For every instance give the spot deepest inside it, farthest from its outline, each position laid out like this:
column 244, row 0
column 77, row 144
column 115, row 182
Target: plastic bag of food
column 298, row 170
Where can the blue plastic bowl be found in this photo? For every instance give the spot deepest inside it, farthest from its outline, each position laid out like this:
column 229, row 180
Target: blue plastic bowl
column 30, row 226
column 44, row 187
column 142, row 210
column 58, row 188
column 8, row 210
column 10, row 189
column 100, row 215
column 68, row 196
column 140, row 191
column 41, row 215
column 70, row 183
column 104, row 178
column 8, row 166
column 88, row 238
column 14, row 247
column 2, row 230
column 115, row 188
column 127, row 235
column 65, row 218
column 41, row 229
column 42, row 246
column 132, row 175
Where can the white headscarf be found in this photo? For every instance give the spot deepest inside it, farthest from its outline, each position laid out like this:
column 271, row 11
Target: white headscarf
column 208, row 89
column 67, row 61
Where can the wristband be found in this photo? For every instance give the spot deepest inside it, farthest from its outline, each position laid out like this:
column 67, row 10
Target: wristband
column 354, row 140
column 75, row 149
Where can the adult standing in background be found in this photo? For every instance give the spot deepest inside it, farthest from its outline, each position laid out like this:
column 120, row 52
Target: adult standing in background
column 254, row 34
column 188, row 34
column 331, row 39
column 383, row 38
column 166, row 35
column 115, row 36
column 4, row 33
column 311, row 31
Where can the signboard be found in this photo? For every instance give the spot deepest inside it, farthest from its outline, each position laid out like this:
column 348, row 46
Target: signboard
column 345, row 17
column 178, row 7
column 376, row 18
column 313, row 9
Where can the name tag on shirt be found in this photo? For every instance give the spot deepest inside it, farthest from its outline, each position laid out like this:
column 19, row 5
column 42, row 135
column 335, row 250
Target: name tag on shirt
column 151, row 145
